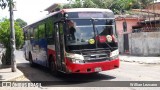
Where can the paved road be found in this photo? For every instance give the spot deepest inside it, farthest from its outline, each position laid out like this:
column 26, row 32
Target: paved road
column 126, row 72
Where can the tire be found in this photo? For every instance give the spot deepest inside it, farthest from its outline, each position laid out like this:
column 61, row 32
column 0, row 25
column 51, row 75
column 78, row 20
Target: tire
column 52, row 67
column 95, row 73
column 32, row 64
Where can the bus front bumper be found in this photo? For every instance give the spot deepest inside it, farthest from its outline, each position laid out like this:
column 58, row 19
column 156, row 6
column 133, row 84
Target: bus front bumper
column 92, row 67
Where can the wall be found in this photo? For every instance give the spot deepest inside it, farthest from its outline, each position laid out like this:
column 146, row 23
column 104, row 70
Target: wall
column 143, row 43
column 120, row 43
column 130, row 22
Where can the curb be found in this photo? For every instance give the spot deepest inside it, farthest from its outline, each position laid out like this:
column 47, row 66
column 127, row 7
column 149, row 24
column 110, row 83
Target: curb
column 17, row 78
column 140, row 62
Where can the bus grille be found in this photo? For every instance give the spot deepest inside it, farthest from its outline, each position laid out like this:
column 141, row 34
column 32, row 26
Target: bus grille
column 95, row 55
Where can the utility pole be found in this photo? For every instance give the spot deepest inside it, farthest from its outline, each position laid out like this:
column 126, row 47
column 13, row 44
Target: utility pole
column 12, row 42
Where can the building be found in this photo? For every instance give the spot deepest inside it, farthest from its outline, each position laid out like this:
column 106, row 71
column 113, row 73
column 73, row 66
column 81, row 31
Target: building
column 155, row 1
column 143, row 37
column 125, row 25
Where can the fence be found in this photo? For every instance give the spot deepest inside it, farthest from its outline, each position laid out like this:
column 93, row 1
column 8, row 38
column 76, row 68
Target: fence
column 147, row 29
column 142, row 43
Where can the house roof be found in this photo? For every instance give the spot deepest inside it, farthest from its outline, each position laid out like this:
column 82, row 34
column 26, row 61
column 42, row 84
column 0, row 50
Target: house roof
column 128, row 17
column 150, row 11
column 155, row 6
column 52, row 7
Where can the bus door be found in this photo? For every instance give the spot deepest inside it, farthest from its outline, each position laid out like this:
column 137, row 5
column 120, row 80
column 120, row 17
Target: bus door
column 59, row 45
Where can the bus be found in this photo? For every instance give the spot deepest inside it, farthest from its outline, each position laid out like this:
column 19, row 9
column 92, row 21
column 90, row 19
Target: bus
column 78, row 40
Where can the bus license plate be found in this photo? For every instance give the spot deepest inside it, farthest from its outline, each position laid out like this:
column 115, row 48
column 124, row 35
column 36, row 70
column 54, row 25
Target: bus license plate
column 98, row 69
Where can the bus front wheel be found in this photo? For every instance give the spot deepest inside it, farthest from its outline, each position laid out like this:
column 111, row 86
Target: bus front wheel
column 32, row 64
column 52, row 67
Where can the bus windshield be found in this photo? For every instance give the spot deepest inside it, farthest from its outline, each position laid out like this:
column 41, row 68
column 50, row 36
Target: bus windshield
column 80, row 31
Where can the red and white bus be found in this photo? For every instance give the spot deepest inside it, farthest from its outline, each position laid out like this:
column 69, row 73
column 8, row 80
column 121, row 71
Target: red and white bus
column 79, row 40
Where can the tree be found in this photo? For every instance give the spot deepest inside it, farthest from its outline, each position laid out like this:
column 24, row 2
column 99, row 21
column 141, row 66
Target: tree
column 103, row 3
column 89, row 4
column 21, row 22
column 10, row 50
column 145, row 3
column 117, row 6
column 5, row 37
column 77, row 4
column 67, row 6
column 3, row 3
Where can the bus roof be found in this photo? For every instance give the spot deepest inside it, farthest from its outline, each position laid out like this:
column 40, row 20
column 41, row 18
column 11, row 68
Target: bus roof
column 72, row 10
column 86, row 10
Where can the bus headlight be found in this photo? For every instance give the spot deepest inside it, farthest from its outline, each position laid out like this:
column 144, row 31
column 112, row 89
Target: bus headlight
column 76, row 58
column 114, row 54
column 77, row 61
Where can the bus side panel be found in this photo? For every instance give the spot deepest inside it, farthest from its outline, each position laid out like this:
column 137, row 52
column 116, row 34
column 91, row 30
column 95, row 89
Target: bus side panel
column 51, row 52
column 42, row 53
column 34, row 49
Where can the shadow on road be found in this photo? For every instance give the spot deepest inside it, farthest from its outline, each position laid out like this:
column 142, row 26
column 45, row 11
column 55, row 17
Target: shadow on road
column 42, row 75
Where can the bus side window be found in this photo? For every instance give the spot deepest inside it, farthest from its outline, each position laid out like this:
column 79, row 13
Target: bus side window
column 41, row 31
column 35, row 33
column 50, row 31
column 26, row 35
column 31, row 33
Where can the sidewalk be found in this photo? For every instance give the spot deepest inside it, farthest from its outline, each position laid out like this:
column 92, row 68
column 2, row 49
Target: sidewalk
column 140, row 59
column 7, row 75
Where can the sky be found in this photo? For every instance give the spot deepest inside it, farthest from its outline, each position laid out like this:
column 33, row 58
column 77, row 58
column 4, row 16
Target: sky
column 30, row 10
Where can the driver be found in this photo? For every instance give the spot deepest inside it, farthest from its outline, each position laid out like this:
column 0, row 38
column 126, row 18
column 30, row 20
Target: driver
column 72, row 29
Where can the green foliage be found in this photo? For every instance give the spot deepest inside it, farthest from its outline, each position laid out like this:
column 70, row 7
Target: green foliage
column 5, row 33
column 5, row 38
column 77, row 4
column 89, row 4
column 41, row 31
column 67, row 6
column 21, row 22
column 145, row 3
column 4, row 3
column 117, row 6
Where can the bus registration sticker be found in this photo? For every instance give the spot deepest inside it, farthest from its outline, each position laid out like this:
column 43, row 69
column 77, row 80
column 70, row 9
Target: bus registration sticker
column 98, row 69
